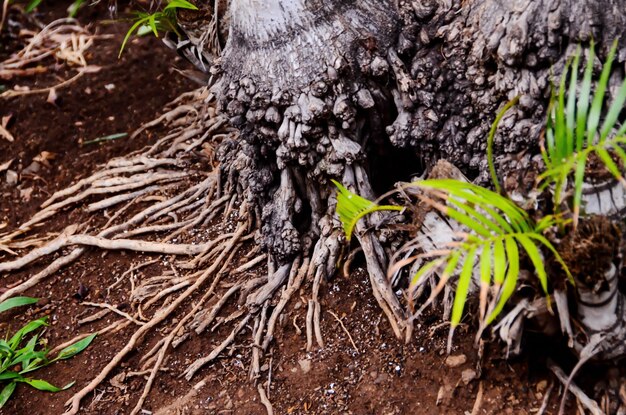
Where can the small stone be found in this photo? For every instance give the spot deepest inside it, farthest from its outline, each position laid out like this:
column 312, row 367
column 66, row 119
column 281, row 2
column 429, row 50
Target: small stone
column 467, row 376
column 228, row 404
column 305, row 365
column 12, row 178
column 444, row 394
column 383, row 377
column 456, row 360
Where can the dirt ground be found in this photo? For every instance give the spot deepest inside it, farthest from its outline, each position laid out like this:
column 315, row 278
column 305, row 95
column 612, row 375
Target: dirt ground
column 371, row 373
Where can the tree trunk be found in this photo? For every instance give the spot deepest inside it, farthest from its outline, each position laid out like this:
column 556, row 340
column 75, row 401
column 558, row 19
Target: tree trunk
column 369, row 92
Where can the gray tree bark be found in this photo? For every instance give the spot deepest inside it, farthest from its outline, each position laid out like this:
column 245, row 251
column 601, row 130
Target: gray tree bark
column 321, row 85
column 370, row 91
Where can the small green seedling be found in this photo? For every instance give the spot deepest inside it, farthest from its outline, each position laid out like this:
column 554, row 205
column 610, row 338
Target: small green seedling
column 17, row 359
column 160, row 21
column 72, row 10
column 574, row 131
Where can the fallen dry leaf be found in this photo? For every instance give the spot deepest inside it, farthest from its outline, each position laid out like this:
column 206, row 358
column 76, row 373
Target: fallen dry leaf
column 43, row 158
column 90, row 69
column 5, row 166
column 4, row 133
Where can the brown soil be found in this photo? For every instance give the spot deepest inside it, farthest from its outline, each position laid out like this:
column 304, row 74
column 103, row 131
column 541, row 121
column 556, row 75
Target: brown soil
column 385, row 376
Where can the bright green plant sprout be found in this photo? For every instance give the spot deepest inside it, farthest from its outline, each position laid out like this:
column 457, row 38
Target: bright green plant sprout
column 72, row 10
column 352, row 207
column 161, row 21
column 18, row 359
column 574, row 132
column 490, row 140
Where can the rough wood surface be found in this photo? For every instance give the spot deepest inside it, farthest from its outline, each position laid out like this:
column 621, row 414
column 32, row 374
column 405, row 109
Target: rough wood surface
column 319, row 85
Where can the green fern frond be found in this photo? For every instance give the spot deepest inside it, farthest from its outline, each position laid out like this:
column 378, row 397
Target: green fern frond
column 499, row 232
column 352, row 207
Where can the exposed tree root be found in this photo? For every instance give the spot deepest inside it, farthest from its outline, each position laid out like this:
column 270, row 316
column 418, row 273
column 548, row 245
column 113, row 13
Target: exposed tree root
column 200, row 220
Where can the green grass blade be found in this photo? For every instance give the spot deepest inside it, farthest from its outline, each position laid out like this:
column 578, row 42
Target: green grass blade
column 74, row 7
column 152, row 23
column 6, row 393
column 130, row 32
column 16, row 302
column 462, row 288
column 499, row 261
column 541, row 239
column 571, row 103
column 598, row 98
column 608, row 162
column 75, row 348
column 180, row 4
column 561, row 135
column 40, row 384
column 28, row 328
column 550, row 156
column 579, row 180
column 429, row 266
column 582, row 107
column 615, row 147
column 536, row 258
column 510, row 281
column 32, row 5
column 490, row 139
column 485, row 265
column 613, row 113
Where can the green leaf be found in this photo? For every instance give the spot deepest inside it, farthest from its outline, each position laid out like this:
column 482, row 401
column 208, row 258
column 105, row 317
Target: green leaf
column 40, row 384
column 582, row 107
column 510, row 282
column 152, row 22
column 180, row 4
column 6, row 393
column 31, row 326
column 560, row 130
column 463, row 287
column 485, row 265
column 499, row 261
column 598, row 99
column 608, row 162
column 32, row 5
column 571, row 102
column 431, row 265
column 16, row 302
column 74, row 7
column 536, row 258
column 133, row 28
column 481, row 221
column 9, row 375
column 617, row 106
column 490, row 140
column 549, row 245
column 75, row 348
column 352, row 207
column 579, row 179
